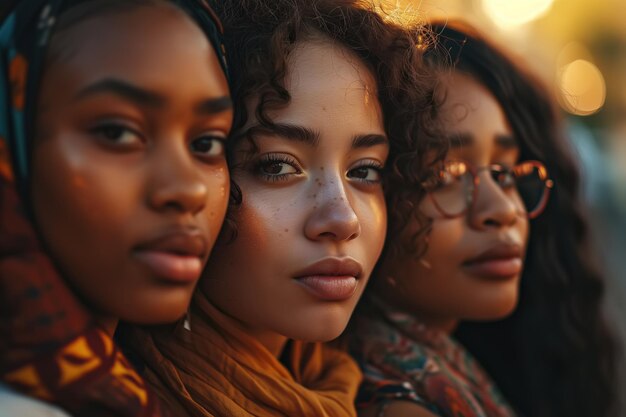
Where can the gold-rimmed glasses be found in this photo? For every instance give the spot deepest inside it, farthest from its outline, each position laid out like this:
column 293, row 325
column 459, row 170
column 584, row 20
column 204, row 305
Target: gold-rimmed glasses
column 453, row 189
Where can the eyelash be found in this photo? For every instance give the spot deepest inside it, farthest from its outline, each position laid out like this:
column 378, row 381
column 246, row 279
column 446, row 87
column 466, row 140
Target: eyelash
column 101, row 131
column 377, row 166
column 269, row 159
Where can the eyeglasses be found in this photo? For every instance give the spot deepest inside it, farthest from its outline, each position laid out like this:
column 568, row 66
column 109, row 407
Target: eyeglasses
column 454, row 188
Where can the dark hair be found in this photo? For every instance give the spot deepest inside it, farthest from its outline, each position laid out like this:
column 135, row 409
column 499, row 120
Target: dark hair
column 260, row 36
column 554, row 356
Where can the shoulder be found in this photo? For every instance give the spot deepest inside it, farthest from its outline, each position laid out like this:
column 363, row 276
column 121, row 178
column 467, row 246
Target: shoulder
column 13, row 404
column 396, row 408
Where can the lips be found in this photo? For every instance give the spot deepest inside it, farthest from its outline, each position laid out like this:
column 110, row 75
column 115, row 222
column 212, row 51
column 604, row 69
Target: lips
column 331, row 279
column 501, row 261
column 175, row 256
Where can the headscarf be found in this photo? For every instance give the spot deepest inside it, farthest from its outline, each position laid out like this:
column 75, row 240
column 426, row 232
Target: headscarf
column 51, row 348
column 214, row 368
column 402, row 359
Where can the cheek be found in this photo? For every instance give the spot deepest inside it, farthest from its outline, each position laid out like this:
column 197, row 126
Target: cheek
column 524, row 231
column 264, row 224
column 78, row 203
column 430, row 278
column 68, row 187
column 372, row 214
column 218, row 185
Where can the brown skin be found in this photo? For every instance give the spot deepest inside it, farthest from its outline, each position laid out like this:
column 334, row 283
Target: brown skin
column 312, row 201
column 439, row 289
column 113, row 170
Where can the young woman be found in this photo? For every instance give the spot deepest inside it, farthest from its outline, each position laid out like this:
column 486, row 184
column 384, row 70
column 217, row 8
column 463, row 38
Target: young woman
column 319, row 84
column 503, row 237
column 113, row 177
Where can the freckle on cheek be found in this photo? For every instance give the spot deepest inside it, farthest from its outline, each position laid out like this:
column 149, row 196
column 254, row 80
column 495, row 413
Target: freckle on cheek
column 286, row 230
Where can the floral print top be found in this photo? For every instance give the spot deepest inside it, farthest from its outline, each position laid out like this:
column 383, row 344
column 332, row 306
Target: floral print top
column 404, row 360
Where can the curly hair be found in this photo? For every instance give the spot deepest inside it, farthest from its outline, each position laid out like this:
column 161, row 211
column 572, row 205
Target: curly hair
column 555, row 355
column 260, row 35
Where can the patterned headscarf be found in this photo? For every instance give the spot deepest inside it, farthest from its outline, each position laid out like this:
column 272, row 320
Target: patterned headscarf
column 24, row 37
column 51, row 348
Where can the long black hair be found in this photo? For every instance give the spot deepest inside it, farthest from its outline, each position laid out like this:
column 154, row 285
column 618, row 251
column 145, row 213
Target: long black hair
column 555, row 355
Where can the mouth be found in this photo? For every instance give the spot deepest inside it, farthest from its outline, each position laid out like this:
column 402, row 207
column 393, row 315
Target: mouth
column 175, row 257
column 331, row 279
column 503, row 261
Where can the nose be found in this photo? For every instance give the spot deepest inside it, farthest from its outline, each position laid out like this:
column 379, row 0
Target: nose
column 332, row 215
column 493, row 207
column 176, row 181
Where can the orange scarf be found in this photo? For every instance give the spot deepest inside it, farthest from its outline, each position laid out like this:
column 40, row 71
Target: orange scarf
column 218, row 370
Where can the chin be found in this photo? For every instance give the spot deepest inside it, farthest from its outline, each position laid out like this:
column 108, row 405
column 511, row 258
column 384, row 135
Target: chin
column 163, row 312
column 496, row 310
column 323, row 324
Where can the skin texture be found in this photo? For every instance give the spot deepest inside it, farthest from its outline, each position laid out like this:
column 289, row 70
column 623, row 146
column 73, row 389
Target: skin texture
column 328, row 203
column 439, row 289
column 114, row 170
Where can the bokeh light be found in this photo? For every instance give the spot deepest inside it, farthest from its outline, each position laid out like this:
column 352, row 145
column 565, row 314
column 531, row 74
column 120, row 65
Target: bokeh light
column 583, row 89
column 513, row 13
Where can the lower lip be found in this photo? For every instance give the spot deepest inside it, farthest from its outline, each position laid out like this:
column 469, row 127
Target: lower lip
column 329, row 288
column 495, row 268
column 171, row 267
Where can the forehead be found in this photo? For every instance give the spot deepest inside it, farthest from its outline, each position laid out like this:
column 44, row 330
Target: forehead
column 328, row 80
column 469, row 108
column 136, row 43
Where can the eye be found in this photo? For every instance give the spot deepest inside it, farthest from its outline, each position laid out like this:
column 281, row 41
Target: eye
column 504, row 177
column 208, row 146
column 277, row 167
column 368, row 172
column 117, row 134
column 452, row 173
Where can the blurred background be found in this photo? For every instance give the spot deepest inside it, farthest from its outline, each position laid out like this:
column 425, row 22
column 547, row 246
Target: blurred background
column 579, row 48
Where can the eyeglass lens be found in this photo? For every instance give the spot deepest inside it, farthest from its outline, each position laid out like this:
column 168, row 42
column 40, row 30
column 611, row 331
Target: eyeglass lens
column 454, row 188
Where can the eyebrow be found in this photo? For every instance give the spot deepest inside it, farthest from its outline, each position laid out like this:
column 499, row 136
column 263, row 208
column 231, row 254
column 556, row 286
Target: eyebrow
column 369, row 140
column 506, row 141
column 148, row 98
column 465, row 139
column 123, row 89
column 215, row 105
column 295, row 133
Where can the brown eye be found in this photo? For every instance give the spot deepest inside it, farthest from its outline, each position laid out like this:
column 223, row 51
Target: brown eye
column 208, row 146
column 277, row 167
column 366, row 173
column 116, row 134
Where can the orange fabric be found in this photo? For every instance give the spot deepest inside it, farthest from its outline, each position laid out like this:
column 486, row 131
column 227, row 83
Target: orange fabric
column 218, row 370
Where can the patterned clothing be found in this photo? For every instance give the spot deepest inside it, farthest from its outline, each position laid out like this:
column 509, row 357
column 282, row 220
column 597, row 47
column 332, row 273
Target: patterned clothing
column 403, row 359
column 51, row 348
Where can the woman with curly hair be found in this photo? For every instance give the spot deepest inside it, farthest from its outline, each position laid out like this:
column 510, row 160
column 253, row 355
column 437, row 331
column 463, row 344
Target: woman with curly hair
column 326, row 94
column 504, row 270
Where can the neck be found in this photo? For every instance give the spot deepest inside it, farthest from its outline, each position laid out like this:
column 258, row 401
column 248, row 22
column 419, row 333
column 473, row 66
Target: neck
column 445, row 325
column 442, row 323
column 273, row 342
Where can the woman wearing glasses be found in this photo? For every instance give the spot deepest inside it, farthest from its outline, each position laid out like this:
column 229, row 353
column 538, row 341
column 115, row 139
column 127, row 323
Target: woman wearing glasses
column 502, row 238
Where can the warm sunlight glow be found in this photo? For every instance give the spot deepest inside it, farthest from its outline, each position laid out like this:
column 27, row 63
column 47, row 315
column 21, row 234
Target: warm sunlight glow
column 583, row 89
column 512, row 13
